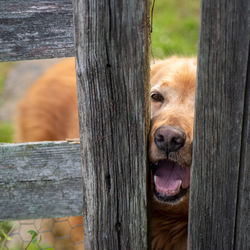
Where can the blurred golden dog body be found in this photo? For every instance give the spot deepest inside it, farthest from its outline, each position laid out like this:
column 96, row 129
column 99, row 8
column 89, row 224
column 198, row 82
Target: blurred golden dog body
column 49, row 112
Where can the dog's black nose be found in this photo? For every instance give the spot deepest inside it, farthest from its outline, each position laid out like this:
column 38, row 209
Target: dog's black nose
column 169, row 139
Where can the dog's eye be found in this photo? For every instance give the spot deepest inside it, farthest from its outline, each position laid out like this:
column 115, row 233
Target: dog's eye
column 157, row 97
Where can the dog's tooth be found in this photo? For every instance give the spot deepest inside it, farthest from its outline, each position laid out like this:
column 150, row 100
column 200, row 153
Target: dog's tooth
column 154, row 178
column 173, row 192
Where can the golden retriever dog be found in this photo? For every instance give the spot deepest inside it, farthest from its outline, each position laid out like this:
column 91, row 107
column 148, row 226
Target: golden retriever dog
column 49, row 112
column 170, row 149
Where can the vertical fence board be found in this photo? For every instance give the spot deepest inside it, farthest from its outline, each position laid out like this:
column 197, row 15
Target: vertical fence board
column 242, row 235
column 220, row 165
column 112, row 40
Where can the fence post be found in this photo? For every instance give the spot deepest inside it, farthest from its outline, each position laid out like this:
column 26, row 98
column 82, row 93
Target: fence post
column 219, row 203
column 112, row 64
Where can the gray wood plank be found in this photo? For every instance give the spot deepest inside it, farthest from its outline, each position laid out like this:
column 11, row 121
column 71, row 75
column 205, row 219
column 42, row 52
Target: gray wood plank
column 219, row 197
column 35, row 29
column 112, row 64
column 40, row 180
column 242, row 234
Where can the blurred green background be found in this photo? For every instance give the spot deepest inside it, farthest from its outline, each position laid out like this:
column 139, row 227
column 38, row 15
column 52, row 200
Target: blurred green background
column 175, row 28
column 175, row 31
column 6, row 127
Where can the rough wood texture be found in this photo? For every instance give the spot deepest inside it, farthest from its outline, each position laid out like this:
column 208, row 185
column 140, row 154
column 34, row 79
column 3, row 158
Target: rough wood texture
column 35, row 29
column 40, row 180
column 219, row 206
column 242, row 235
column 112, row 39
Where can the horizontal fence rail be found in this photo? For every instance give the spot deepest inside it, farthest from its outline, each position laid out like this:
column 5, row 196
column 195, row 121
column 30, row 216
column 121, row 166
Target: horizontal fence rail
column 40, row 180
column 36, row 29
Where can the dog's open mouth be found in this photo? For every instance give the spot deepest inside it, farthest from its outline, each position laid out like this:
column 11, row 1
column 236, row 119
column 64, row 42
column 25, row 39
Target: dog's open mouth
column 171, row 180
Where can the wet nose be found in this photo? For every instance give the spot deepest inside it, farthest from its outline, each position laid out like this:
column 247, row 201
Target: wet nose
column 169, row 139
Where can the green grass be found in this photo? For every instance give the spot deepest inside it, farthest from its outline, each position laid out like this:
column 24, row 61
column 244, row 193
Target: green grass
column 7, row 227
column 175, row 28
column 6, row 128
column 6, row 132
column 4, row 69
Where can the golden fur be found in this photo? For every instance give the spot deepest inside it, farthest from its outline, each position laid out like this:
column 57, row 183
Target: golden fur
column 49, row 109
column 49, row 112
column 175, row 79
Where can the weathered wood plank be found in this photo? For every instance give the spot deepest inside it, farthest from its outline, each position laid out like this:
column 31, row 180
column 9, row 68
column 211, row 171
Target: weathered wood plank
column 40, row 180
column 35, row 29
column 220, row 188
column 112, row 40
column 242, row 234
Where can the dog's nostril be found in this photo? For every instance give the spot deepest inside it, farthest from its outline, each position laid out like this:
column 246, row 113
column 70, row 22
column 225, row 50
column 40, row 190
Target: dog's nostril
column 178, row 139
column 169, row 139
column 159, row 138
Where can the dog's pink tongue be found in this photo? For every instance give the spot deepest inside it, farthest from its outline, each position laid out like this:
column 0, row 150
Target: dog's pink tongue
column 170, row 176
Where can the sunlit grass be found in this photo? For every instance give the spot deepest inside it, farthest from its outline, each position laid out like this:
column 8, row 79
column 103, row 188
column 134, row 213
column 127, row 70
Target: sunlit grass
column 175, row 27
column 6, row 132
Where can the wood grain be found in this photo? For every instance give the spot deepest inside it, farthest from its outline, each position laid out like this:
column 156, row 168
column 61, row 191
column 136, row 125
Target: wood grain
column 219, row 205
column 242, row 229
column 36, row 29
column 112, row 64
column 40, row 180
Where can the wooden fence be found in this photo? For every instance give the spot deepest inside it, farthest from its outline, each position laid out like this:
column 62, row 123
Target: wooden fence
column 37, row 179
column 111, row 48
column 35, row 29
column 219, row 215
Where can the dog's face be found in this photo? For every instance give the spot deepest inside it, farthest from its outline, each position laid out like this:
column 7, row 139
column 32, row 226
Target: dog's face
column 172, row 115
